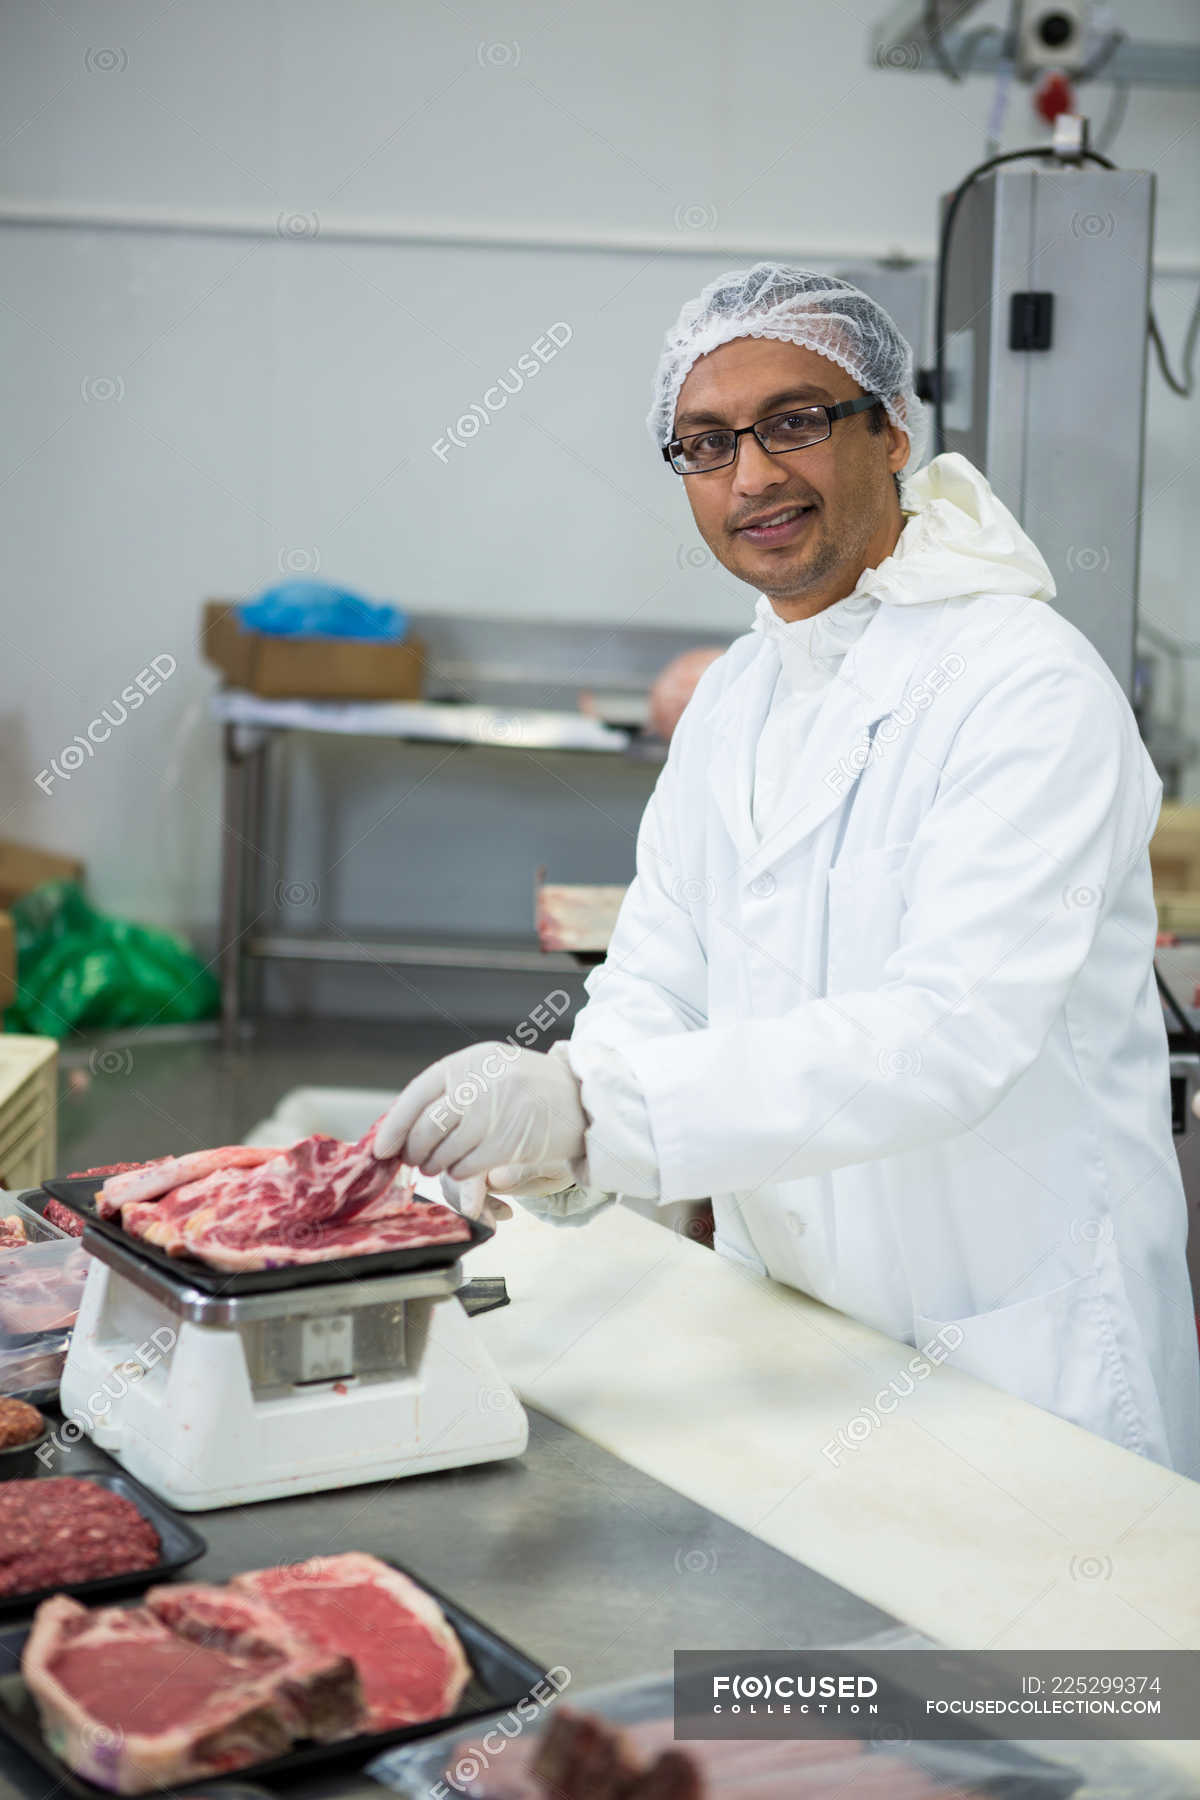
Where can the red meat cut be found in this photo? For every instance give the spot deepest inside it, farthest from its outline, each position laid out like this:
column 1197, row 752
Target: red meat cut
column 55, row 1213
column 316, row 1202
column 146, row 1181
column 202, row 1680
column 411, row 1662
column 133, row 1705
column 319, row 1690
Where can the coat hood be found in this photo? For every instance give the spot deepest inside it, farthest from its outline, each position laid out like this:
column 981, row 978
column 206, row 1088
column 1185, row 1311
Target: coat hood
column 961, row 540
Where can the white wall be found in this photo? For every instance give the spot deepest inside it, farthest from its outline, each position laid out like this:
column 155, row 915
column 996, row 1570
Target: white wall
column 256, row 258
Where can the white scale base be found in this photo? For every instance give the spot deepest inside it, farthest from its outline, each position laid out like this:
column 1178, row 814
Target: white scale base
column 171, row 1400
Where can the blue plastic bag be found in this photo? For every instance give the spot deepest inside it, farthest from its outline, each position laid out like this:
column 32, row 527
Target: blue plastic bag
column 314, row 609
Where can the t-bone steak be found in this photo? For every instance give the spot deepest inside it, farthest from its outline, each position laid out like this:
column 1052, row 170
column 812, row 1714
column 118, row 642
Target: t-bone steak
column 133, row 1705
column 411, row 1662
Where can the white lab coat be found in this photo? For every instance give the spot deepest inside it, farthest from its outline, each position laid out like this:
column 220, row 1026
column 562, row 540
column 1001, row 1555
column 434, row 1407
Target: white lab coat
column 910, row 1042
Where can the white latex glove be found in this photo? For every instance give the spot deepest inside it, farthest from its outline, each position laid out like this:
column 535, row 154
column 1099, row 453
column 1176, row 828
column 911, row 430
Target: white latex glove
column 489, row 1105
column 549, row 1193
column 472, row 1199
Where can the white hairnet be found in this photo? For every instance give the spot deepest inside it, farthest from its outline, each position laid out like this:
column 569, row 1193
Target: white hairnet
column 796, row 306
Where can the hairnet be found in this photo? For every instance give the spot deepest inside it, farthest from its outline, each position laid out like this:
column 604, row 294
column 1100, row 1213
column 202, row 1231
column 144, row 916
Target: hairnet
column 796, row 306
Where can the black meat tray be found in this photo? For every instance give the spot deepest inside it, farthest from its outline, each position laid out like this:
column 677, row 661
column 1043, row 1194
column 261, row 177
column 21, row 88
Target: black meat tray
column 180, row 1546
column 500, row 1676
column 79, row 1192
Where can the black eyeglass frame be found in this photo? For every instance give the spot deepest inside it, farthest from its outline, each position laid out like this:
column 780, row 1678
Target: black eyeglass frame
column 844, row 410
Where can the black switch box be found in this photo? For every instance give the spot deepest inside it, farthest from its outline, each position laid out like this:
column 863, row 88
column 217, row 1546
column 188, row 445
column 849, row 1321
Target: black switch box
column 1030, row 321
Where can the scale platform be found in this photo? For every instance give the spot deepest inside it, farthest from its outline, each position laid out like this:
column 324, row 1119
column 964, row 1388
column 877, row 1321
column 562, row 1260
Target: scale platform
column 218, row 1399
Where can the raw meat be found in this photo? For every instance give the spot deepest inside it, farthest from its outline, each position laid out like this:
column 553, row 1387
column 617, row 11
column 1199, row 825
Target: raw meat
column 319, row 1201
column 319, row 1689
column 20, row 1423
column 12, row 1232
column 103, row 1169
column 57, row 1214
column 146, row 1181
column 411, row 1662
column 577, row 918
column 132, row 1705
column 203, row 1680
column 582, row 1757
column 59, row 1530
column 41, row 1298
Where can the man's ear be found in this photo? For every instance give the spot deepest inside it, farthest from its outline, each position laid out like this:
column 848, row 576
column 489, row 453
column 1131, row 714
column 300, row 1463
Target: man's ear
column 898, row 447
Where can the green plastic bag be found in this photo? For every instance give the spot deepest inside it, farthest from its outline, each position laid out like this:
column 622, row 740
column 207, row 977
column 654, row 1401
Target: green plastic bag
column 80, row 971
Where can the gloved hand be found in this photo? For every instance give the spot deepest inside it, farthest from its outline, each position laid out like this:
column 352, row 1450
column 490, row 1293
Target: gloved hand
column 549, row 1193
column 472, row 1199
column 484, row 1107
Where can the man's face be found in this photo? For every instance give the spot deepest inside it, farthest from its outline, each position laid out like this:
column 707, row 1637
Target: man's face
column 803, row 526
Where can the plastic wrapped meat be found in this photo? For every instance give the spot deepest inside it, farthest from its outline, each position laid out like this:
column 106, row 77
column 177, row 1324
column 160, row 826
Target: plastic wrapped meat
column 40, row 1289
column 578, row 919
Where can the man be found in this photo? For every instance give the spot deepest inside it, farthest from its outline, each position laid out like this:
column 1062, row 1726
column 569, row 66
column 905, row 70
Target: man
column 883, row 986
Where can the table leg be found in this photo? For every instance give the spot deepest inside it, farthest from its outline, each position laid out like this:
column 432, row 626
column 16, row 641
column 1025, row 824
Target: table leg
column 232, row 867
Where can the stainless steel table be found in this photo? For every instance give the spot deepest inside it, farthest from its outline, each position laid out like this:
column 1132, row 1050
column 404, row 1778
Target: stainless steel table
column 572, row 1554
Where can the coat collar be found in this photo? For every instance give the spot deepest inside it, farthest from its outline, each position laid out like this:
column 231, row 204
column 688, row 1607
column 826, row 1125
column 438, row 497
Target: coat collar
column 872, row 680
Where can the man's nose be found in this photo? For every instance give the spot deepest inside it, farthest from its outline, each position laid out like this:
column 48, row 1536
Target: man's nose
column 756, row 470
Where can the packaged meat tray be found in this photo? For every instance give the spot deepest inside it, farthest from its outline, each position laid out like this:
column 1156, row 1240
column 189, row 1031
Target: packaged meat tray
column 79, row 1196
column 42, row 1271
column 161, row 1542
column 269, row 1666
column 498, row 1759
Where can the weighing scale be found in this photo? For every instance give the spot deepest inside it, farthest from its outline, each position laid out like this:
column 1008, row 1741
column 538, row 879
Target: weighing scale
column 218, row 1399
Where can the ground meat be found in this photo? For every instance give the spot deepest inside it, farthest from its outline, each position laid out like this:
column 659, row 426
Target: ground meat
column 61, row 1530
column 20, row 1423
column 62, row 1216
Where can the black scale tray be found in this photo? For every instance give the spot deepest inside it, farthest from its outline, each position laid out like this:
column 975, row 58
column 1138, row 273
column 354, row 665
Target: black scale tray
column 79, row 1192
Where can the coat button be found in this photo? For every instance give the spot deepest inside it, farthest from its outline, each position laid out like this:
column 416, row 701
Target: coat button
column 762, row 887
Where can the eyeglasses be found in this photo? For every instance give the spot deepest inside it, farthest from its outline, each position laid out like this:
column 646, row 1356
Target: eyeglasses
column 703, row 451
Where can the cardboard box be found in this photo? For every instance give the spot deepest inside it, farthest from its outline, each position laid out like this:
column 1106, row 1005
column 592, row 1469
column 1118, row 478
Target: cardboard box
column 309, row 668
column 23, row 868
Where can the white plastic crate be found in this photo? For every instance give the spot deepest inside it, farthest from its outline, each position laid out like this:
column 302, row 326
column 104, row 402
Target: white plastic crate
column 28, row 1110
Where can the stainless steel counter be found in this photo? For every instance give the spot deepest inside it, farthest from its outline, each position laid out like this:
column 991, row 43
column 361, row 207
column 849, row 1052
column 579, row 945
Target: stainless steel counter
column 572, row 1554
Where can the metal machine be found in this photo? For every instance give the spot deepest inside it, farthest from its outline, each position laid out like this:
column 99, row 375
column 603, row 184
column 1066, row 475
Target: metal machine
column 1046, row 296
column 214, row 1401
